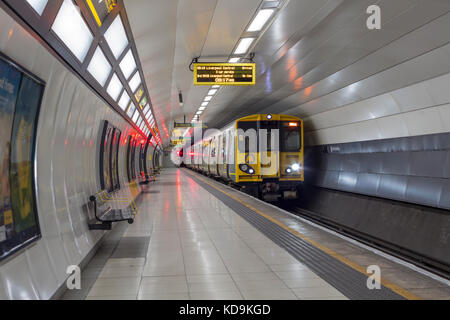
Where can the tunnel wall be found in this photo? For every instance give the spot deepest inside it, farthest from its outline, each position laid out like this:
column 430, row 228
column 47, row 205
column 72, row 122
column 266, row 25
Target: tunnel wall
column 352, row 185
column 66, row 166
column 409, row 169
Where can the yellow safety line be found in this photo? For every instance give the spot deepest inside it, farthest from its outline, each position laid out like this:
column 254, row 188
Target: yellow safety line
column 388, row 284
column 94, row 12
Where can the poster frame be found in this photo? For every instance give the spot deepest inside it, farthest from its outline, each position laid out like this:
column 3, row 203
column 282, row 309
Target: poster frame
column 33, row 159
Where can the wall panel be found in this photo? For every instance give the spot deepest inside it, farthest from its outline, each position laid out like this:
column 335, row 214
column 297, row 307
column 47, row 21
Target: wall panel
column 67, row 170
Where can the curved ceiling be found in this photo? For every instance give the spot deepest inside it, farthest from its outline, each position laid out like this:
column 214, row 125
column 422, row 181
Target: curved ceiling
column 316, row 56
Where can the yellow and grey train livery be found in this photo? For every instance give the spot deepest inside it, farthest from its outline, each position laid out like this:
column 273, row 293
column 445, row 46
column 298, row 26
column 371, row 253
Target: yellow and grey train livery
column 262, row 154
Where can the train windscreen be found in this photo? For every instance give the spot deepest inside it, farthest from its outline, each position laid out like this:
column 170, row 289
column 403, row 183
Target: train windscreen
column 247, row 138
column 290, row 136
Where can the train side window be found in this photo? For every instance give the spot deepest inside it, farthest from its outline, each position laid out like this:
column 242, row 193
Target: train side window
column 224, row 153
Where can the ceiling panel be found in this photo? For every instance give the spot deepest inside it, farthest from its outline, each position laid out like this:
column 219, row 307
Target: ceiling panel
column 315, row 55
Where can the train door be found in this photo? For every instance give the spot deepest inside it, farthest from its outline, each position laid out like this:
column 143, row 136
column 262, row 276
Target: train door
column 222, row 163
column 213, row 156
column 231, row 155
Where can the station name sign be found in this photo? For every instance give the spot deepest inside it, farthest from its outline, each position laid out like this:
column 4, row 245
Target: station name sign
column 224, row 74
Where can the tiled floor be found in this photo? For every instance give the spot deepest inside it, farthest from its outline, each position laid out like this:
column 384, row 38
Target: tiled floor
column 186, row 244
column 199, row 249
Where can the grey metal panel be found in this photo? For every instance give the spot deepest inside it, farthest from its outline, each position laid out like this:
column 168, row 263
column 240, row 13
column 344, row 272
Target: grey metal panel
column 428, row 163
column 333, row 162
column 444, row 201
column 368, row 183
column 412, row 169
column 396, row 163
column 447, row 166
column 374, row 163
column 347, row 181
column 393, row 187
column 331, row 179
column 425, row 191
column 351, row 162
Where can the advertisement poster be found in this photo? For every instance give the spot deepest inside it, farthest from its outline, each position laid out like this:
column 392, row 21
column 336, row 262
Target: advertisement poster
column 106, row 156
column 114, row 159
column 20, row 98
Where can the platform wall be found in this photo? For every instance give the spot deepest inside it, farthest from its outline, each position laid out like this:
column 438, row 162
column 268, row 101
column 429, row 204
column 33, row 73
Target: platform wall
column 67, row 170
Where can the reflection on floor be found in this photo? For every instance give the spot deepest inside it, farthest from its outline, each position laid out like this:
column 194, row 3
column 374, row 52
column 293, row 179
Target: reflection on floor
column 186, row 244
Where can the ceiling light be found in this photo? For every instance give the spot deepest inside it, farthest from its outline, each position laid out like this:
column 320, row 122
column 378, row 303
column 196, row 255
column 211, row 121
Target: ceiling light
column 271, row 4
column 208, row 98
column 114, row 87
column 135, row 116
column 116, row 37
column 202, row 108
column 215, row 86
column 212, row 92
column 128, row 64
column 70, row 27
column 99, row 67
column 199, row 112
column 38, row 5
column 234, row 60
column 124, row 100
column 243, row 45
column 135, row 82
column 260, row 20
column 205, row 103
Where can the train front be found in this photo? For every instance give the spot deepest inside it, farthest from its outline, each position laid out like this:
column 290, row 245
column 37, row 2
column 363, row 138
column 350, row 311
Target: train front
column 269, row 155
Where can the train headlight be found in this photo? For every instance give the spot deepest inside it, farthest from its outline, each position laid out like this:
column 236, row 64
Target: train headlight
column 293, row 168
column 246, row 168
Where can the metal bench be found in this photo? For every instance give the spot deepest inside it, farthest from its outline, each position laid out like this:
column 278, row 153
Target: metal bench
column 106, row 215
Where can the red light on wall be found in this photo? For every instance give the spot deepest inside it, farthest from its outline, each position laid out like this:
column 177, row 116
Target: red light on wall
column 293, row 124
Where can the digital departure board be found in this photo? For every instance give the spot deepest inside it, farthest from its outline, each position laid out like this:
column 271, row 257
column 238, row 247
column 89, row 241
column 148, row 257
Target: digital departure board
column 224, row 74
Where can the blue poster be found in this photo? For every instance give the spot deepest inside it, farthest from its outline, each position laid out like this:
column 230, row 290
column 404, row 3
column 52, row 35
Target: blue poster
column 20, row 98
column 9, row 87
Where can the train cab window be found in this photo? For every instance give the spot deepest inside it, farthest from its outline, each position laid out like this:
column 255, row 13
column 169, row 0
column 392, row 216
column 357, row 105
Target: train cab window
column 268, row 135
column 290, row 136
column 247, row 138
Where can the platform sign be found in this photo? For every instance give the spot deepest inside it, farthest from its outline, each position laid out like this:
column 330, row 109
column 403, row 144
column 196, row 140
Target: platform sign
column 224, row 74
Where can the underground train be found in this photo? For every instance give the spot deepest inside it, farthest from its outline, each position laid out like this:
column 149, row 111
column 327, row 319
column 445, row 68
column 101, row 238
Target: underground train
column 261, row 153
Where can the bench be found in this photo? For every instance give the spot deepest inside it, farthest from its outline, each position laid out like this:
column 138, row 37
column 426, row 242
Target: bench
column 106, row 214
column 147, row 179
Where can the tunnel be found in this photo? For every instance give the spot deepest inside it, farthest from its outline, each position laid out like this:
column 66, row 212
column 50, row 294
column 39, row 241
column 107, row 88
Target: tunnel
column 135, row 164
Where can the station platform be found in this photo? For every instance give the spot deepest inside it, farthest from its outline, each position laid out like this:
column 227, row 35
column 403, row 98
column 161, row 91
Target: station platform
column 195, row 238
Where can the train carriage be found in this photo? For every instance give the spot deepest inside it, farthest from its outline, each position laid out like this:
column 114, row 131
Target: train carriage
column 262, row 154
